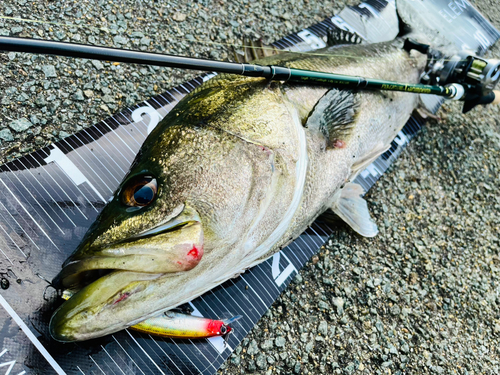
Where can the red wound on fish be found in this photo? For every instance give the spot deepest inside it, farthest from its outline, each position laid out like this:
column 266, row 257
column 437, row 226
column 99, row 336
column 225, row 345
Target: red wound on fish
column 123, row 297
column 193, row 252
column 338, row 143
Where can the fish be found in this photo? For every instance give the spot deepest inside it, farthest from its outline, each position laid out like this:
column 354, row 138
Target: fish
column 235, row 172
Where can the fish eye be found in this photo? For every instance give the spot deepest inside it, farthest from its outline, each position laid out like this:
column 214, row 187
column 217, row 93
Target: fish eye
column 140, row 191
column 223, row 329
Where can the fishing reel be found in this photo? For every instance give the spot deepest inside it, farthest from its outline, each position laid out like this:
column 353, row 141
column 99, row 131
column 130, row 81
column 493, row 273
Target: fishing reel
column 477, row 75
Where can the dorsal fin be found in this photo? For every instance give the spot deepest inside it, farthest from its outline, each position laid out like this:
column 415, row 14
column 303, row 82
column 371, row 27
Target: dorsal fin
column 337, row 37
column 333, row 116
column 253, row 50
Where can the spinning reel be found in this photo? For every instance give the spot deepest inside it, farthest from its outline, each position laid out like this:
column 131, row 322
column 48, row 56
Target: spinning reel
column 476, row 75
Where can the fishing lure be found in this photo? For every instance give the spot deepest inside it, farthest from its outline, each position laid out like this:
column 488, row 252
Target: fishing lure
column 182, row 326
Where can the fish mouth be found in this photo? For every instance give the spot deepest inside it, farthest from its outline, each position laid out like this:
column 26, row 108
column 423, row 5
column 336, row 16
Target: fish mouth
column 110, row 276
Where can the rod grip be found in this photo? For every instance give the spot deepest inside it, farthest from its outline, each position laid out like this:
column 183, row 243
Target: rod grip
column 497, row 97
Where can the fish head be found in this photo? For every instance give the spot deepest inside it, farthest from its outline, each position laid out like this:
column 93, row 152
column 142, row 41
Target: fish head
column 185, row 195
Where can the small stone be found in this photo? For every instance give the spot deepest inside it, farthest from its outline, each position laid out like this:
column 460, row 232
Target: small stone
column 339, row 303
column 323, row 305
column 49, row 71
column 251, row 366
column 280, row 341
column 16, row 30
column 267, row 344
column 22, row 97
column 108, row 99
column 235, row 360
column 40, row 100
column 395, row 310
column 350, row 368
column 63, row 134
column 392, row 349
column 179, row 17
column 260, row 361
column 98, row 65
column 88, row 93
column 60, row 34
column 6, row 135
column 405, row 348
column 78, row 95
column 145, row 41
column 20, row 125
column 119, row 39
column 309, row 346
column 252, row 348
column 323, row 327
column 387, row 363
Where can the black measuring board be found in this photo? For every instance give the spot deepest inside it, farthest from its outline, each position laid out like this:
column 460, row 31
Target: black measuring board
column 49, row 198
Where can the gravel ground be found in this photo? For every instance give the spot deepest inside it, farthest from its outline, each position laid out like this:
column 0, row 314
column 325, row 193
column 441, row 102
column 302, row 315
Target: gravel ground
column 422, row 297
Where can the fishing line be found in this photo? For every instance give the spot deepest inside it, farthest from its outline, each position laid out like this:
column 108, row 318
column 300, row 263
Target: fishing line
column 234, row 45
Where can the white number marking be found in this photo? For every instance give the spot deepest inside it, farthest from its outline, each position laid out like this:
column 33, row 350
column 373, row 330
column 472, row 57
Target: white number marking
column 69, row 168
column 401, row 139
column 280, row 276
column 154, row 116
column 311, row 39
column 10, row 364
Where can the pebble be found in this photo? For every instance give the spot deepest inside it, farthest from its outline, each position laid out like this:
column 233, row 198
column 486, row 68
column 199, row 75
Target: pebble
column 49, row 71
column 20, row 125
column 98, row 65
column 6, row 135
column 280, row 341
column 78, row 95
column 179, row 17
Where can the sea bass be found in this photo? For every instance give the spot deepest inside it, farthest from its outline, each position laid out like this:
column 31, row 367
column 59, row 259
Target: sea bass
column 235, row 172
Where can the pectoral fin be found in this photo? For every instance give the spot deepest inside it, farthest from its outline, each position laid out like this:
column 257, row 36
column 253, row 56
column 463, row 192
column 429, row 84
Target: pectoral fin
column 353, row 209
column 333, row 116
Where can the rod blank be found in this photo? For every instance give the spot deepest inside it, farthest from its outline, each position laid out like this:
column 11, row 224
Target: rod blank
column 270, row 72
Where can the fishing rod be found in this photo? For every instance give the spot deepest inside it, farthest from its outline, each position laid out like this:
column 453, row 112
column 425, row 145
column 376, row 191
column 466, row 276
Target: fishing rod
column 463, row 77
